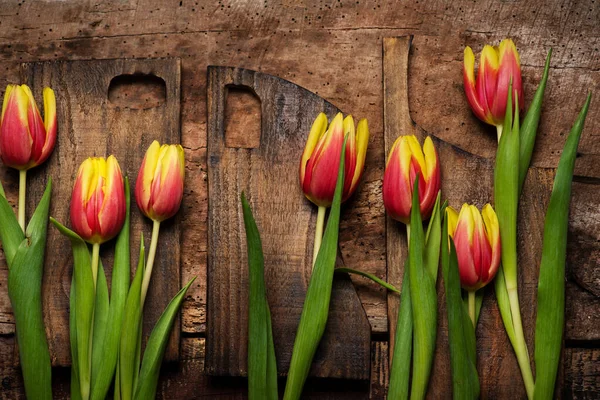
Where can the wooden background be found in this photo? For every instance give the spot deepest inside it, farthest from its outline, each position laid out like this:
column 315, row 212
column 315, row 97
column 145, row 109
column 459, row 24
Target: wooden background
column 334, row 48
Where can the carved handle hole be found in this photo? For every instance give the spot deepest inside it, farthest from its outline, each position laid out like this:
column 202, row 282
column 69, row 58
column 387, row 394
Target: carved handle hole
column 242, row 118
column 137, row 92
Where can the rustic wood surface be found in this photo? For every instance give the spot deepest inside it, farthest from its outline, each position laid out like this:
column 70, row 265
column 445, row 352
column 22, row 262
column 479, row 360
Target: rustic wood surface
column 334, row 48
column 267, row 172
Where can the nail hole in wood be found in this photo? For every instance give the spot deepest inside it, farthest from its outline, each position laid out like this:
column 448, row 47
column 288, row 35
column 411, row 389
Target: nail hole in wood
column 242, row 118
column 138, row 92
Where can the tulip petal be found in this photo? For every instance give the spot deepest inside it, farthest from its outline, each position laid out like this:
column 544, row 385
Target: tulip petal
column 143, row 185
column 470, row 85
column 509, row 69
column 350, row 156
column 15, row 140
column 111, row 212
column 466, row 264
column 493, row 235
column 167, row 199
column 452, row 216
column 397, row 193
column 37, row 131
column 317, row 130
column 49, row 124
column 362, row 142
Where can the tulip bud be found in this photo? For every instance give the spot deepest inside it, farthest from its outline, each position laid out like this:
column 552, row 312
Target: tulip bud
column 321, row 158
column 405, row 161
column 98, row 200
column 159, row 185
column 497, row 67
column 25, row 139
column 477, row 241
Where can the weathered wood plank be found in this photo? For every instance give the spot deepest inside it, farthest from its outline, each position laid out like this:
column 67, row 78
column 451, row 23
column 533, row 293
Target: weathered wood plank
column 268, row 173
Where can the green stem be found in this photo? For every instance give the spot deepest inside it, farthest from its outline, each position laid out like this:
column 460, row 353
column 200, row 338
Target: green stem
column 499, row 131
column 471, row 294
column 85, row 387
column 22, row 194
column 150, row 263
column 95, row 261
column 407, row 234
column 520, row 345
column 319, row 232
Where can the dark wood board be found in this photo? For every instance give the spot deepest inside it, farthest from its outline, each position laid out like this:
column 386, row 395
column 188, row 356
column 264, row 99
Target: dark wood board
column 466, row 178
column 96, row 121
column 268, row 174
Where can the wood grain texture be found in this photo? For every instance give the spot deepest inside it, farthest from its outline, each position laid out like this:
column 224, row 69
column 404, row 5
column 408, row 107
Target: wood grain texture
column 268, row 174
column 90, row 124
column 333, row 49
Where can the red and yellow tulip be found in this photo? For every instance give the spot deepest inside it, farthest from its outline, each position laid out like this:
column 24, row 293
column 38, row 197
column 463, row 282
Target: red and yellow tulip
column 477, row 239
column 98, row 200
column 321, row 157
column 497, row 67
column 407, row 160
column 25, row 139
column 159, row 185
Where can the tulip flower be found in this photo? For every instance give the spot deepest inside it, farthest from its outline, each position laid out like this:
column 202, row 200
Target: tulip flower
column 321, row 158
column 159, row 186
column 25, row 139
column 488, row 94
column 477, row 239
column 98, row 200
column 405, row 161
column 318, row 167
column 158, row 192
column 98, row 203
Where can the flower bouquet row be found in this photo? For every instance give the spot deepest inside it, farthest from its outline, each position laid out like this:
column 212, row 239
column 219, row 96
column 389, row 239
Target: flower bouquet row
column 475, row 246
column 105, row 330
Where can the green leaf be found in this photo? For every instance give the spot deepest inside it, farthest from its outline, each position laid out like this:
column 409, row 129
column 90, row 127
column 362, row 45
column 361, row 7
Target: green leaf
column 25, row 292
column 316, row 304
column 424, row 312
column 75, row 389
column 100, row 321
column 85, row 299
column 400, row 368
column 104, row 369
column 551, row 287
column 155, row 349
column 261, row 385
column 272, row 389
column 461, row 334
column 130, row 328
column 530, row 125
column 431, row 257
column 11, row 233
column 504, row 304
column 506, row 190
column 367, row 275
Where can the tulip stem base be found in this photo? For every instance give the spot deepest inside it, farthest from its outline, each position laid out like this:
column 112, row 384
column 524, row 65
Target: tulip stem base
column 499, row 129
column 319, row 232
column 471, row 297
column 22, row 195
column 520, row 345
column 95, row 262
column 150, row 263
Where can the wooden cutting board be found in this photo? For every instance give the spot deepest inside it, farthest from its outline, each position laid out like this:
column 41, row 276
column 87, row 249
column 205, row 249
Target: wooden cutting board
column 466, row 178
column 268, row 174
column 105, row 107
